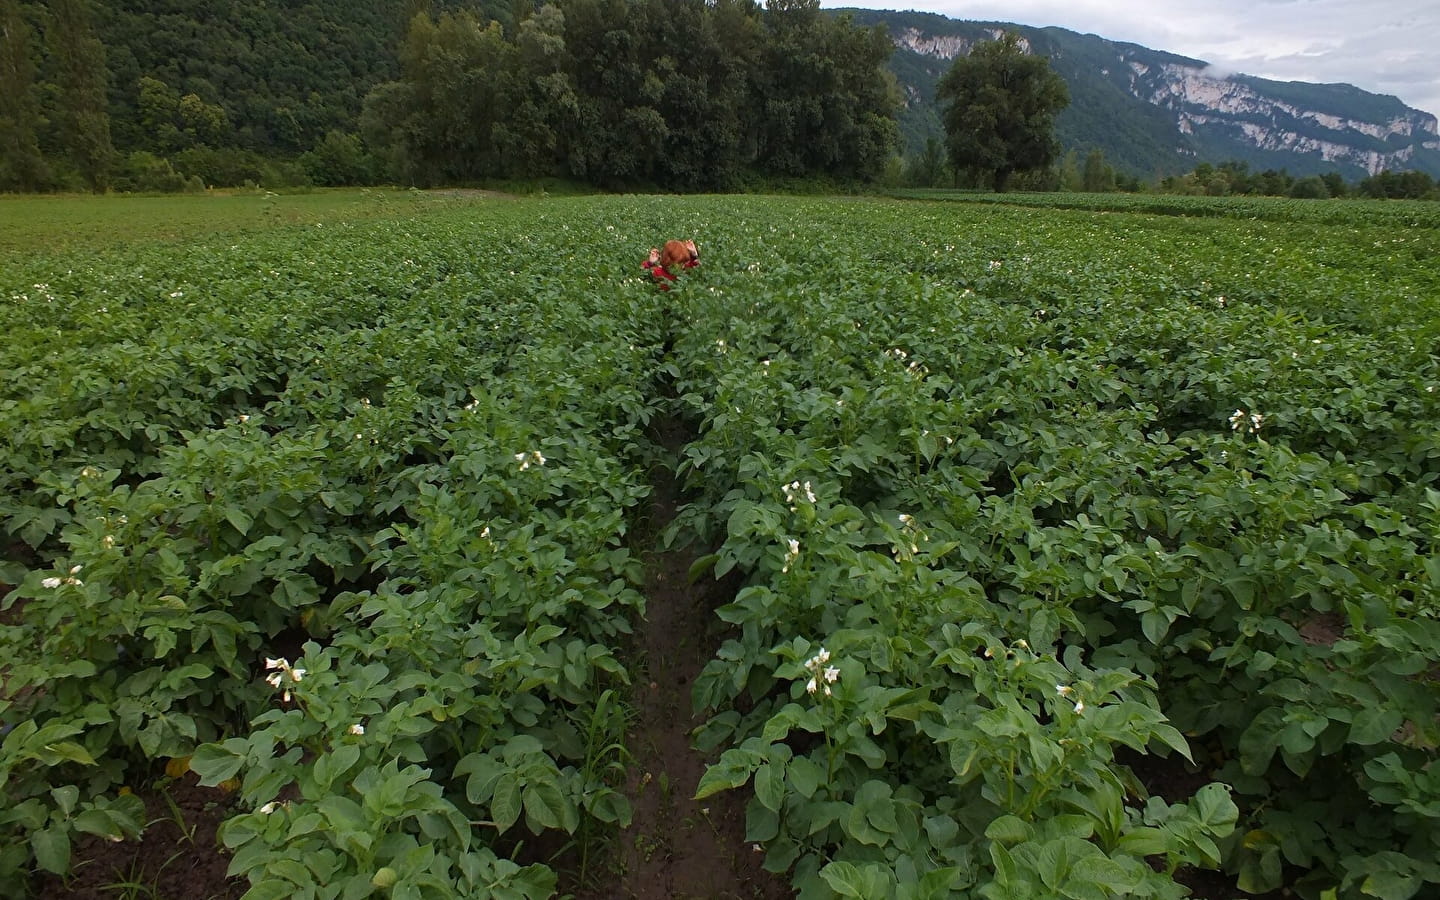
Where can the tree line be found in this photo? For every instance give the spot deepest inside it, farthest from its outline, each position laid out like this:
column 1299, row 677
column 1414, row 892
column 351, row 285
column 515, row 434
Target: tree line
column 1231, row 178
column 679, row 94
column 69, row 109
column 686, row 95
column 131, row 95
column 931, row 168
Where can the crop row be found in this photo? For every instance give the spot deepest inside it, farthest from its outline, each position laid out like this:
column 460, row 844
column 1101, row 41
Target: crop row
column 1050, row 508
column 1076, row 551
column 343, row 533
column 1398, row 215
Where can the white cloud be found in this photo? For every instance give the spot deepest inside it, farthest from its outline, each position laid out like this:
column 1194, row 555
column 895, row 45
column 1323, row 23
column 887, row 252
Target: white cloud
column 1386, row 47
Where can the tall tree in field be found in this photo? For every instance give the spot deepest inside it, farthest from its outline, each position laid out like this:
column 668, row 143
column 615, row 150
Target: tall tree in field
column 82, row 114
column 1098, row 178
column 928, row 169
column 1000, row 110
column 22, row 168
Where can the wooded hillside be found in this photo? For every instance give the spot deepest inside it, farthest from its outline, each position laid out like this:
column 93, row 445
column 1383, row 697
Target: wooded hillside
column 683, row 95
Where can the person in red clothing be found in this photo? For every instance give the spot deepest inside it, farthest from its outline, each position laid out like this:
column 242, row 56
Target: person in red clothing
column 664, row 265
column 656, row 270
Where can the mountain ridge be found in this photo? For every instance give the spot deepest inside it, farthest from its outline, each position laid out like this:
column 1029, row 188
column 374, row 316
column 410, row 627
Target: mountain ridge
column 1154, row 112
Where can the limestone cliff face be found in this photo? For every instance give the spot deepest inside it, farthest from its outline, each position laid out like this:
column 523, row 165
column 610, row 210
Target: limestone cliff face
column 945, row 46
column 1156, row 110
column 1199, row 99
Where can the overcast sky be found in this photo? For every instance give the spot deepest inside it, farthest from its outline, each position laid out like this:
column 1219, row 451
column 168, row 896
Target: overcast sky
column 1382, row 46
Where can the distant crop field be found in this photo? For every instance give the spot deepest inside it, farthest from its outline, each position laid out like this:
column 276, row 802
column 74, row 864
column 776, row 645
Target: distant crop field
column 49, row 224
column 1338, row 211
column 1070, row 552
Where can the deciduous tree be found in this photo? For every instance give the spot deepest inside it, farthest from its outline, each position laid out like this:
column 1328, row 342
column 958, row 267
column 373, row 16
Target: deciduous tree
column 824, row 101
column 999, row 112
column 22, row 168
column 1097, row 177
column 82, row 114
column 928, row 168
column 684, row 94
column 540, row 98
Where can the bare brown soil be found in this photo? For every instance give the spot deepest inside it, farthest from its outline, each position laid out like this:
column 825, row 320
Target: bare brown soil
column 678, row 848
column 176, row 858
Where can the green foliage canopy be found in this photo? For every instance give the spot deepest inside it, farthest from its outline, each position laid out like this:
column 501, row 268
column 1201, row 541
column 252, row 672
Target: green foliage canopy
column 694, row 96
column 81, row 111
column 680, row 94
column 1000, row 110
column 21, row 164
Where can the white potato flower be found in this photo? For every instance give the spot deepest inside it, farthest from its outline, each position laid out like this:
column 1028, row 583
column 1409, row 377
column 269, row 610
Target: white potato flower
column 283, row 672
column 791, row 555
column 822, row 675
column 1244, row 421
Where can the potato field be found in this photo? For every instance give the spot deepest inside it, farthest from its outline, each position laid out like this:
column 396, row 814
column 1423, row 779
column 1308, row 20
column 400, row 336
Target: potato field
column 1067, row 552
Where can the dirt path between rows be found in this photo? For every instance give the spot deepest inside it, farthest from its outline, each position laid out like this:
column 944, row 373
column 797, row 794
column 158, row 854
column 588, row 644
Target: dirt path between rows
column 678, row 848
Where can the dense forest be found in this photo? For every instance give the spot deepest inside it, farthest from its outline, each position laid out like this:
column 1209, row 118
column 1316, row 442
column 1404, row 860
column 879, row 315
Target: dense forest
column 680, row 94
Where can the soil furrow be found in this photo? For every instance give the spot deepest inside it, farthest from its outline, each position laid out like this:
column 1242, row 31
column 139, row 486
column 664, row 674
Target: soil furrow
column 678, row 848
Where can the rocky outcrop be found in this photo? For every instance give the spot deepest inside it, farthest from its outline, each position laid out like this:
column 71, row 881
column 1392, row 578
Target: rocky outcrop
column 1178, row 108
column 946, row 46
column 1200, row 99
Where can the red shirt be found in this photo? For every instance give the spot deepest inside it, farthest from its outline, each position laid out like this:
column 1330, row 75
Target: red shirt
column 663, row 275
column 659, row 272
